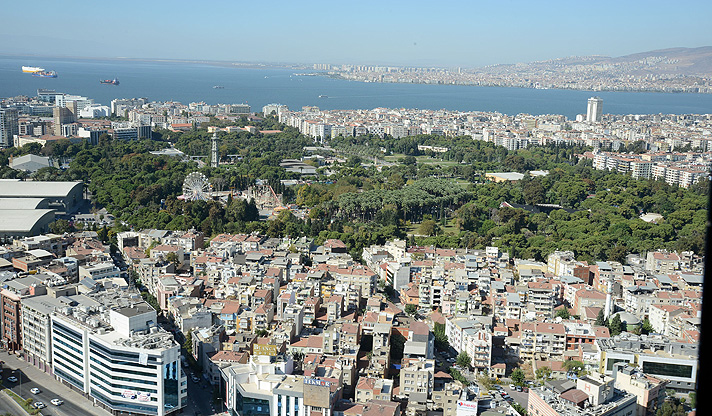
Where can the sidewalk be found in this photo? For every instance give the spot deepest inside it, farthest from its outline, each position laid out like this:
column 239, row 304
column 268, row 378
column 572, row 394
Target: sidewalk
column 13, row 362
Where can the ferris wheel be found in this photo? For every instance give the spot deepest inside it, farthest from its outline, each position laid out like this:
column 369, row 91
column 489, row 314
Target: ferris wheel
column 196, row 187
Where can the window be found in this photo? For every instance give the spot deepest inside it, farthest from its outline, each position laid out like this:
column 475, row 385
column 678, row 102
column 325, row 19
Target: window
column 667, row 369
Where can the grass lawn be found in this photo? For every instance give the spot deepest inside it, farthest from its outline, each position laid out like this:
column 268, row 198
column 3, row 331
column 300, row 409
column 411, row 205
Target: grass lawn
column 449, row 228
column 427, row 160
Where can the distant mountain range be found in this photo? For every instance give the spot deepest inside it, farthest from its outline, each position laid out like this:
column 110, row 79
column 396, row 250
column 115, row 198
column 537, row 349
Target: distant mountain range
column 673, row 61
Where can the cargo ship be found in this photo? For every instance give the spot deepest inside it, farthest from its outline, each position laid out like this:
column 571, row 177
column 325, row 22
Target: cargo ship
column 32, row 69
column 114, row 81
column 45, row 74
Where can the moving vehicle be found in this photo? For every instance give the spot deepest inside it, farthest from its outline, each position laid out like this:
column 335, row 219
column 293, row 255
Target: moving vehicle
column 114, row 81
column 35, row 390
column 38, row 405
column 56, row 402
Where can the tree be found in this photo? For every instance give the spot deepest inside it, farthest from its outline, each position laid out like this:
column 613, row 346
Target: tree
column 575, row 366
column 429, row 228
column 456, row 375
column 411, row 309
column 671, row 408
column 519, row 409
column 563, row 313
column 647, row 326
column 600, row 318
column 409, row 160
column 173, row 258
column 397, row 345
column 441, row 342
column 486, row 382
column 61, row 226
column 543, row 373
column 463, row 360
column 615, row 326
column 151, row 300
column 518, row 376
column 188, row 344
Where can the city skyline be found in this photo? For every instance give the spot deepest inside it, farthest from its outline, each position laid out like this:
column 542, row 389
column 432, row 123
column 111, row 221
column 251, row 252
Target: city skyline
column 398, row 33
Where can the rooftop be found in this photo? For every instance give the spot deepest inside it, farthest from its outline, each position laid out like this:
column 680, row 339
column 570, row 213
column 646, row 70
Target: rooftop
column 22, row 220
column 37, row 189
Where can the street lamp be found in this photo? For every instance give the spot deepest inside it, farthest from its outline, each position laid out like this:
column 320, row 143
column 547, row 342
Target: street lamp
column 20, row 374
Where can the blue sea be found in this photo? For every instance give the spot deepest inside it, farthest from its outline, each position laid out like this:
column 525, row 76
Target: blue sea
column 193, row 82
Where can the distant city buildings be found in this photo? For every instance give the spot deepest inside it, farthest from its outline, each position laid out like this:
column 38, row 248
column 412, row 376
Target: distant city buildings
column 578, row 73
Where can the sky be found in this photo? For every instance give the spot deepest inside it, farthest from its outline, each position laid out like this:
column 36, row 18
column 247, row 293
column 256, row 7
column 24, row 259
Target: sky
column 418, row 33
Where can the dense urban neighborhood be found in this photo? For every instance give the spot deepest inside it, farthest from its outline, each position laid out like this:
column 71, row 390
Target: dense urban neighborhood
column 160, row 258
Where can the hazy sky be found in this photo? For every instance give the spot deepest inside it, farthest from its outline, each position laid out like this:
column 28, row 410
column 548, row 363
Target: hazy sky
column 447, row 33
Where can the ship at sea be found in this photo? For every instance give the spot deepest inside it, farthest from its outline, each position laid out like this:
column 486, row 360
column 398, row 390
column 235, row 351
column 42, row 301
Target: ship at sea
column 45, row 74
column 114, row 81
column 32, row 69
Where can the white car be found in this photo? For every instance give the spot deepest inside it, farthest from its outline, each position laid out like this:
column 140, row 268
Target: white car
column 56, row 402
column 35, row 390
column 39, row 405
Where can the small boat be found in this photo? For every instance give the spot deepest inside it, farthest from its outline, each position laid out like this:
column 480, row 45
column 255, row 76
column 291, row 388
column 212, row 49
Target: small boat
column 45, row 74
column 32, row 69
column 323, row 96
column 218, row 87
column 114, row 81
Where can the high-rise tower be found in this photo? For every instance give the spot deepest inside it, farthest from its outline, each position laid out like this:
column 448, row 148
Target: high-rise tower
column 9, row 126
column 214, row 151
column 595, row 110
column 609, row 300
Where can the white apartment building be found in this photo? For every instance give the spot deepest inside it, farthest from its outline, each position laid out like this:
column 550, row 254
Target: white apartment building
column 98, row 271
column 545, row 341
column 477, row 343
column 109, row 346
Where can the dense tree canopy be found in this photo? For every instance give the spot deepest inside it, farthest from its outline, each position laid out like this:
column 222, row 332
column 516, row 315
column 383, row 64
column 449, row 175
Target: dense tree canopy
column 442, row 197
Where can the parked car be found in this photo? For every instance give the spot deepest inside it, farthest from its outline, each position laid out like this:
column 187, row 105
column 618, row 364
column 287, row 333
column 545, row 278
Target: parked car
column 12, row 379
column 56, row 402
column 35, row 390
column 511, row 387
column 518, row 388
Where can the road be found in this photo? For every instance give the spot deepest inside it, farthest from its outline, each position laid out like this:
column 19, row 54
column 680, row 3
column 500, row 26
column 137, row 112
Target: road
column 9, row 405
column 28, row 377
column 200, row 398
column 519, row 397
